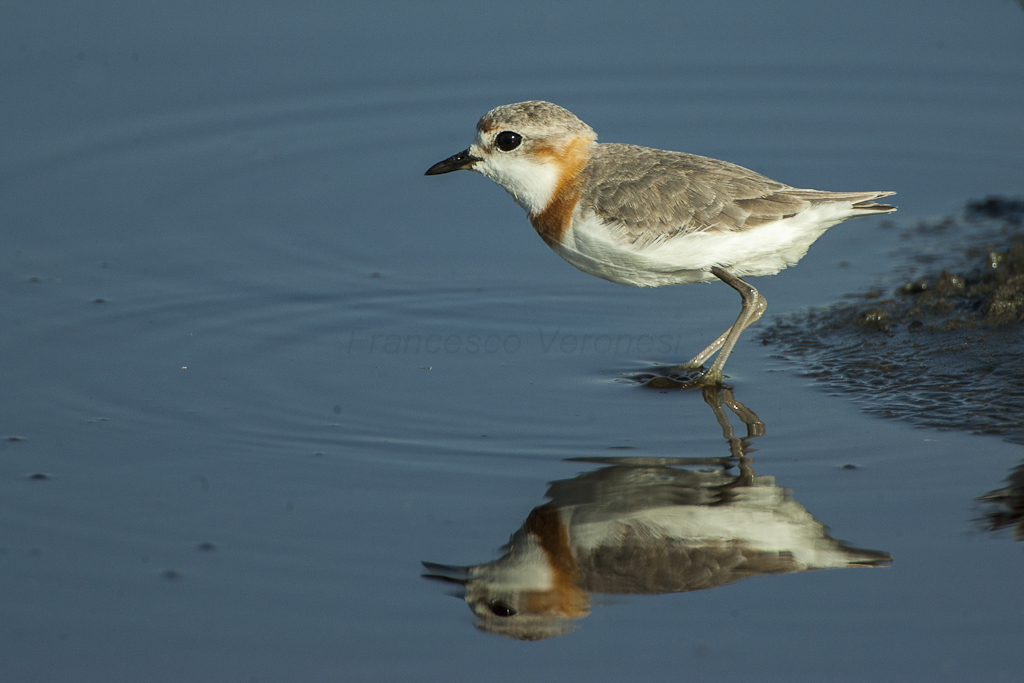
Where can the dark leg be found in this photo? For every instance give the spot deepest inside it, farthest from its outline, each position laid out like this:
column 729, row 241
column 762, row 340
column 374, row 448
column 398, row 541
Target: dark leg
column 753, row 307
column 739, row 447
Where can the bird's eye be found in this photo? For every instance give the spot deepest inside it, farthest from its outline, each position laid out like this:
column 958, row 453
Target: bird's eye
column 508, row 141
column 502, row 609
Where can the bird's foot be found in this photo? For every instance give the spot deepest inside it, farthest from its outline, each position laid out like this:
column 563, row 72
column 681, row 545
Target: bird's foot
column 683, row 377
column 712, row 378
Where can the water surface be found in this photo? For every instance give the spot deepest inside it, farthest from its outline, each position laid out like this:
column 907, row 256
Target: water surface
column 257, row 368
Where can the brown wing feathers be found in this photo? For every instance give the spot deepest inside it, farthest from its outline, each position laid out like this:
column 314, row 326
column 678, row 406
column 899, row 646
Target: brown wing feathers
column 652, row 206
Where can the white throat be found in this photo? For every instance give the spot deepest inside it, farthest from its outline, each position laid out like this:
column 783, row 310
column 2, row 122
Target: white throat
column 532, row 185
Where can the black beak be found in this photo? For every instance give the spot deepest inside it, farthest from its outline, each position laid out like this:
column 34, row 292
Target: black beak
column 453, row 163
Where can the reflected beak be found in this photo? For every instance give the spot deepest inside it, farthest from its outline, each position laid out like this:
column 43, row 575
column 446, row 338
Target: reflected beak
column 453, row 163
column 448, row 574
column 445, row 579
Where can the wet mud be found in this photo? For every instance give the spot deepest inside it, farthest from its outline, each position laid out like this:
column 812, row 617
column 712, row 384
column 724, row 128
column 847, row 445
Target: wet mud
column 941, row 344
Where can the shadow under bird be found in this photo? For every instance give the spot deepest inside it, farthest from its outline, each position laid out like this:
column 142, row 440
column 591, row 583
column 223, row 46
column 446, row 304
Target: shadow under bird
column 648, row 217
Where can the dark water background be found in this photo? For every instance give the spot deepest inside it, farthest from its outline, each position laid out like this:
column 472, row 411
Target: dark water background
column 255, row 367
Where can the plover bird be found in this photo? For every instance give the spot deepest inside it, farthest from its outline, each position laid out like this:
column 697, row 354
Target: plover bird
column 647, row 217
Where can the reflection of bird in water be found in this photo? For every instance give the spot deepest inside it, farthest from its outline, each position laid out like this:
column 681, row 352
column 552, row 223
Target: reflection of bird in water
column 646, row 526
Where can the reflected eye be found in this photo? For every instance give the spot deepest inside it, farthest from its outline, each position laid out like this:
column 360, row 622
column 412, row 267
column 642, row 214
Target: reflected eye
column 499, row 608
column 507, row 141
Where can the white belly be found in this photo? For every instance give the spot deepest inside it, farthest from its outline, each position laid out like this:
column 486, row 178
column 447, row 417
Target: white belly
column 596, row 248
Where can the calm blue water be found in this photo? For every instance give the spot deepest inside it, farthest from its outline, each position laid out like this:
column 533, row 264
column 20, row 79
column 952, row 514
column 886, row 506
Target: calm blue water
column 256, row 367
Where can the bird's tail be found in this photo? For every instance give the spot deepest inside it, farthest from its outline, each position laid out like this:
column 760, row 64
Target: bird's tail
column 861, row 202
